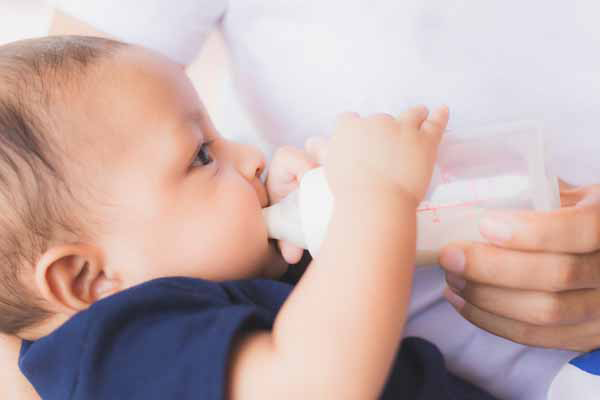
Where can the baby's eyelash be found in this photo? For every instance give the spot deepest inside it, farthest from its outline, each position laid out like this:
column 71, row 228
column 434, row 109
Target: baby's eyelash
column 205, row 159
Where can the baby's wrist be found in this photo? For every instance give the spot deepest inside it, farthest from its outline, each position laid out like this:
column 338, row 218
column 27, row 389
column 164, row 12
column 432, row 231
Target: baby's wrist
column 370, row 197
column 376, row 190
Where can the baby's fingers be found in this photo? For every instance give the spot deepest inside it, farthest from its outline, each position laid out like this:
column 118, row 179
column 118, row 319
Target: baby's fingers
column 436, row 124
column 287, row 168
column 413, row 117
column 290, row 253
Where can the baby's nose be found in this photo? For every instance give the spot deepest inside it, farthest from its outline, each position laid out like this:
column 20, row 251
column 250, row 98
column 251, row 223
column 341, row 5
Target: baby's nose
column 252, row 162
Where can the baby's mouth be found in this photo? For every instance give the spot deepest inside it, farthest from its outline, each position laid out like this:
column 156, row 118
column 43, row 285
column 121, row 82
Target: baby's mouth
column 261, row 193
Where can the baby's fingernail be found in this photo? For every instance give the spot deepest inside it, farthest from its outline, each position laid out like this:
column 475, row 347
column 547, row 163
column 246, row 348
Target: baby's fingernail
column 453, row 259
column 496, row 228
column 454, row 299
column 455, row 282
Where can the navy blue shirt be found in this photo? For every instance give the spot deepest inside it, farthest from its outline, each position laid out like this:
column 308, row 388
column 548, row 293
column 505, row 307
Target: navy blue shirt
column 170, row 338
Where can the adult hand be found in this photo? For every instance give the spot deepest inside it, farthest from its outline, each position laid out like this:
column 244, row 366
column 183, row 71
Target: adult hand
column 287, row 168
column 538, row 281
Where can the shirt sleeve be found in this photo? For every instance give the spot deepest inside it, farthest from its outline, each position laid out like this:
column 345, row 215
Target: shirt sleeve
column 167, row 339
column 177, row 29
column 176, row 346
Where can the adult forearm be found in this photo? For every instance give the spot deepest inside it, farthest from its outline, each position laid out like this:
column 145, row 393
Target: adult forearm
column 63, row 24
column 341, row 327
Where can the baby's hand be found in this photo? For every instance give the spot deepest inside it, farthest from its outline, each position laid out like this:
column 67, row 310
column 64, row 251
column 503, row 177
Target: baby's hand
column 285, row 171
column 385, row 153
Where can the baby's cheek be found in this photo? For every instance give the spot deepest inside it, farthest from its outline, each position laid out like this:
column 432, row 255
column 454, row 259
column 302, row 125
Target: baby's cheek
column 244, row 232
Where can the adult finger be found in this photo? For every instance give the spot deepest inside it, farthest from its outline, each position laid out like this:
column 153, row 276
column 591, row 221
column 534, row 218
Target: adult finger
column 570, row 229
column 590, row 196
column 576, row 337
column 564, row 185
column 533, row 307
column 571, row 195
column 552, row 272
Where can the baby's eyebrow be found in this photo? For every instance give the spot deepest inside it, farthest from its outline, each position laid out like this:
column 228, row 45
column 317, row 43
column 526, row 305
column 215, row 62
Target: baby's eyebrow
column 195, row 117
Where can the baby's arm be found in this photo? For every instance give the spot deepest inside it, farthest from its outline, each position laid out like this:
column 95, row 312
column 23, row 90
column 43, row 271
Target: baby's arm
column 337, row 334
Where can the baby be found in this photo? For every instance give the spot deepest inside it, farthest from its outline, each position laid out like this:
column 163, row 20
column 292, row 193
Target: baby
column 134, row 246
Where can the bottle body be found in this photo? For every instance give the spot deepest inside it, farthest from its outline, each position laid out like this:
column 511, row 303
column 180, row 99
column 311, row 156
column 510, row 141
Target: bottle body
column 303, row 219
column 503, row 169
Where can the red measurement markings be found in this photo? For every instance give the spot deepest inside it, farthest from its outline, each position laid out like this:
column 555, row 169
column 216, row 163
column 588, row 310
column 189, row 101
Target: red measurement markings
column 447, row 177
column 476, row 190
column 427, row 207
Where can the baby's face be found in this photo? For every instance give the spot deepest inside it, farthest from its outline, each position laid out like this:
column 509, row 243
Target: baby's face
column 173, row 198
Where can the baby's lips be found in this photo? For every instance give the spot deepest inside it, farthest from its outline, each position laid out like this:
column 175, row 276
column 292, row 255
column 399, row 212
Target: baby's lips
column 261, row 193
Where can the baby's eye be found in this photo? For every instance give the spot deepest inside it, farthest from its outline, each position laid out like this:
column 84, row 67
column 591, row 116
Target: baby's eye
column 203, row 156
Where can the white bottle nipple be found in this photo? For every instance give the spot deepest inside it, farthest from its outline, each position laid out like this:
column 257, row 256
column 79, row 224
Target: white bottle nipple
column 284, row 222
column 302, row 217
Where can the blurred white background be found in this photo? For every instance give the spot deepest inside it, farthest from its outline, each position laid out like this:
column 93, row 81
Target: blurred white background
column 21, row 19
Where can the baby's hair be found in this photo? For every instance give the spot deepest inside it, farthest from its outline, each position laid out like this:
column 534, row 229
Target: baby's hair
column 35, row 76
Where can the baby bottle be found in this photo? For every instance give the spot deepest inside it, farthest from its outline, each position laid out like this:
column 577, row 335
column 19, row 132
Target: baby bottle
column 494, row 167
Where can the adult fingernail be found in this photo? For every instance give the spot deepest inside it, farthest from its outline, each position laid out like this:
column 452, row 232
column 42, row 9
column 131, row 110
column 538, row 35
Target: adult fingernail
column 455, row 281
column 593, row 198
column 453, row 259
column 454, row 299
column 496, row 228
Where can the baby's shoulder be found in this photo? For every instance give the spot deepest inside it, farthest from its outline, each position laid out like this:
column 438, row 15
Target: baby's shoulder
column 182, row 325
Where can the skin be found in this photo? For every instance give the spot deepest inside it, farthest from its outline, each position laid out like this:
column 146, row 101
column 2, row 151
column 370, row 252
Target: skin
column 207, row 201
column 374, row 249
column 189, row 203
column 493, row 287
column 282, row 181
column 176, row 205
column 516, row 319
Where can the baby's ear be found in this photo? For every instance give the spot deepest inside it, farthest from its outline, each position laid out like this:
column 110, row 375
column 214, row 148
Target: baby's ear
column 72, row 277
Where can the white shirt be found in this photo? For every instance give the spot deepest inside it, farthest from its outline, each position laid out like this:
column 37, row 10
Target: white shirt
column 297, row 63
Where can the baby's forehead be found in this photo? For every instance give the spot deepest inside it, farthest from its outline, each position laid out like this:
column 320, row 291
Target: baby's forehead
column 135, row 91
column 140, row 80
column 134, row 106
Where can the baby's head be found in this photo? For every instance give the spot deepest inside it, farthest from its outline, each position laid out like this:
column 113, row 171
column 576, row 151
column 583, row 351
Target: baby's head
column 112, row 174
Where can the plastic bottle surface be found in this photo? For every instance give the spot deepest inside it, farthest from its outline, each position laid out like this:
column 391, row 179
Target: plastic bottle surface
column 504, row 169
column 302, row 217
